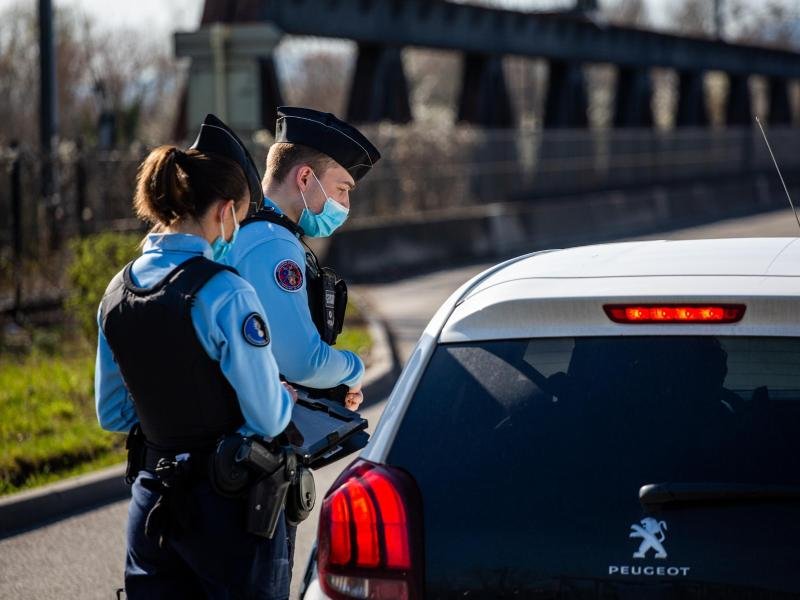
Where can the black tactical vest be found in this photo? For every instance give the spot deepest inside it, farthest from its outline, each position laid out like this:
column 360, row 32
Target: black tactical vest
column 327, row 293
column 181, row 396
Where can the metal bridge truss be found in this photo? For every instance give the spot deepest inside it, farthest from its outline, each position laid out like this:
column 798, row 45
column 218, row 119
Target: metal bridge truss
column 381, row 28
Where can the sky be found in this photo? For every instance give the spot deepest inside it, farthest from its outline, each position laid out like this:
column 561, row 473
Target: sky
column 156, row 17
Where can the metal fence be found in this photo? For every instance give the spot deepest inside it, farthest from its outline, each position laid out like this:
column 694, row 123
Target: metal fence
column 93, row 192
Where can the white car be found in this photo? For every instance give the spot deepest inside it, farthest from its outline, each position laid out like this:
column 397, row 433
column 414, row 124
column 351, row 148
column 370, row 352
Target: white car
column 612, row 421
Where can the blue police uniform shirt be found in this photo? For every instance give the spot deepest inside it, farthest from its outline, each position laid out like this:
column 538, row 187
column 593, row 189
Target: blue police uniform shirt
column 219, row 312
column 273, row 260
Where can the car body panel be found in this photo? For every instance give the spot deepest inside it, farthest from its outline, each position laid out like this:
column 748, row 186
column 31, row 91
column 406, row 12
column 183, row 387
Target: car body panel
column 517, row 315
column 686, row 258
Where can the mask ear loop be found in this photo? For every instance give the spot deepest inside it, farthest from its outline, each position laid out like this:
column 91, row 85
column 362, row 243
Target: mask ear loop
column 320, row 185
column 235, row 220
column 222, row 223
column 303, row 196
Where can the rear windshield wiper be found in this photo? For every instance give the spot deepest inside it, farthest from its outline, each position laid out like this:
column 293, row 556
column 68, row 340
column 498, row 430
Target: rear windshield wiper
column 659, row 494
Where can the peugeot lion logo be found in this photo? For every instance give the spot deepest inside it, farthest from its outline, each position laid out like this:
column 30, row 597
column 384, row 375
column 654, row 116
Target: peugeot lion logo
column 652, row 534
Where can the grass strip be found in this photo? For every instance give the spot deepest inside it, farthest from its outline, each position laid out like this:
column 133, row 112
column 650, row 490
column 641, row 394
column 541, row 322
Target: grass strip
column 48, row 426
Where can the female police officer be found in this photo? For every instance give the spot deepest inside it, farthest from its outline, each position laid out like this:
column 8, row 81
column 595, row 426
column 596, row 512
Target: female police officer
column 184, row 354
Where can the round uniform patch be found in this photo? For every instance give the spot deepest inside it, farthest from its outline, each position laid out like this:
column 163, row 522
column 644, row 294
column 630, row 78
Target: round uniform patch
column 289, row 275
column 255, row 331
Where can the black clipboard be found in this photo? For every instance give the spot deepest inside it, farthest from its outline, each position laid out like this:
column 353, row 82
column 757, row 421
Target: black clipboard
column 327, row 431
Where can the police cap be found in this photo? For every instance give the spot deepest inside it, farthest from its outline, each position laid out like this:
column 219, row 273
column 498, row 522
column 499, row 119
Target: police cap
column 324, row 132
column 217, row 138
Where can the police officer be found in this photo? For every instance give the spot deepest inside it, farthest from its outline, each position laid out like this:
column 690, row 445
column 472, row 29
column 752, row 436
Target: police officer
column 311, row 169
column 184, row 357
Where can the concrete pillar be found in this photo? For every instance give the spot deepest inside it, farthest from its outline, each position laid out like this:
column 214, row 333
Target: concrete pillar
column 232, row 75
column 739, row 110
column 566, row 103
column 379, row 90
column 780, row 111
column 633, row 98
column 691, row 100
column 484, row 98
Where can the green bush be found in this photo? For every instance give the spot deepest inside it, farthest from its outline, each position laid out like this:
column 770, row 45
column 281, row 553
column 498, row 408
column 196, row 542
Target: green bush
column 97, row 259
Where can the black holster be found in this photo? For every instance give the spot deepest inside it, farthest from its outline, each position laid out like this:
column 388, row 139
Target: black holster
column 267, row 496
column 269, row 475
column 172, row 513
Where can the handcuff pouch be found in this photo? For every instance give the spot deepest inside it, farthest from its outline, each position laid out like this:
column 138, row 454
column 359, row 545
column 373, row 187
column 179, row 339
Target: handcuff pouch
column 301, row 496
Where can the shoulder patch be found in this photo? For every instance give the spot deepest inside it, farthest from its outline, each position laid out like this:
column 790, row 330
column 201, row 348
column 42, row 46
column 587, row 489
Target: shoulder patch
column 289, row 275
column 255, row 331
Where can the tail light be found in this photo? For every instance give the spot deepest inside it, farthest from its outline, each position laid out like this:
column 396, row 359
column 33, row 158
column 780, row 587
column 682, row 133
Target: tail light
column 675, row 313
column 370, row 535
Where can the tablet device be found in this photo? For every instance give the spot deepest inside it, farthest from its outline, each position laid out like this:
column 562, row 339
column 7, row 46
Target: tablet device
column 324, row 431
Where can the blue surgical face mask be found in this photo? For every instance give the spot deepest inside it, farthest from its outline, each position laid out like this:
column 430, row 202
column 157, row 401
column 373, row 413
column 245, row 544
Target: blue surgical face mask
column 332, row 217
column 221, row 246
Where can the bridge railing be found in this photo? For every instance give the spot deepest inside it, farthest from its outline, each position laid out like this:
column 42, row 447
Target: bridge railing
column 423, row 172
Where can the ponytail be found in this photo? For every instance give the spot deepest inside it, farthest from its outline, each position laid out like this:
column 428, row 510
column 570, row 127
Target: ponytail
column 172, row 184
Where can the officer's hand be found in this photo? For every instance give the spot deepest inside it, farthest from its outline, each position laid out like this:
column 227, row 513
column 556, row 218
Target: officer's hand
column 354, row 398
column 291, row 390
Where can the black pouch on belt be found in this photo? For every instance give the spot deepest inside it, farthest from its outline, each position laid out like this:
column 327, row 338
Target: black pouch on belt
column 228, row 477
column 135, row 445
column 301, row 496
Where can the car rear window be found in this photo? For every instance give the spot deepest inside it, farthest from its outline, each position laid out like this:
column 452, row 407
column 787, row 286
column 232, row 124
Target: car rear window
column 530, row 456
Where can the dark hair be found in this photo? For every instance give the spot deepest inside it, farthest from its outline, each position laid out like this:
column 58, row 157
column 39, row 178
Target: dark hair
column 172, row 184
column 283, row 157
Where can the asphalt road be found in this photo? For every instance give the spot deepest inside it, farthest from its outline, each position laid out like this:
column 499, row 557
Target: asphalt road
column 82, row 556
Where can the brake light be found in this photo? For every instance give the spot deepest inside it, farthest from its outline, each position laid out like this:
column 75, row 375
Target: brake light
column 675, row 313
column 370, row 535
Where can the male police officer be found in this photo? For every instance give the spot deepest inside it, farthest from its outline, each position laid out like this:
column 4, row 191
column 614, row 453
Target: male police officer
column 310, row 171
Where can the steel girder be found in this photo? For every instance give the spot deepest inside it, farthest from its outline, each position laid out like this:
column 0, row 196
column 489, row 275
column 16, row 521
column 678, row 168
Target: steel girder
column 480, row 30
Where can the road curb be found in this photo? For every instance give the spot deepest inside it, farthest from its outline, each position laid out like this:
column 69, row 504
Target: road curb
column 29, row 509
column 34, row 508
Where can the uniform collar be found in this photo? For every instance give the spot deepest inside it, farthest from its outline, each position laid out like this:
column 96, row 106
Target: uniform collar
column 176, row 242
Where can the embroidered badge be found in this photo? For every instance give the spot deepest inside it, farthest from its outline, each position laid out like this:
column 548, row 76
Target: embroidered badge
column 289, row 275
column 255, row 331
